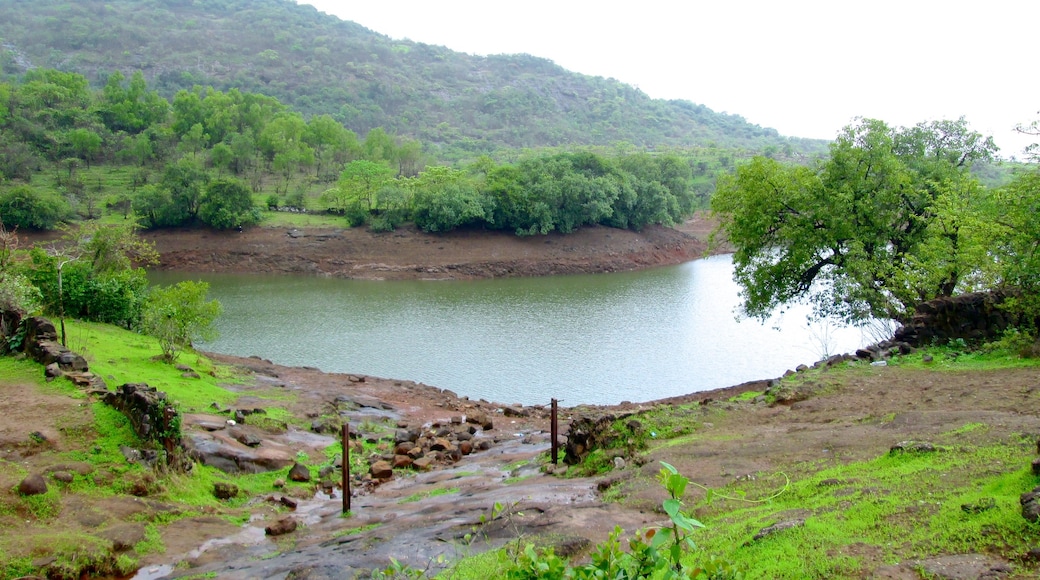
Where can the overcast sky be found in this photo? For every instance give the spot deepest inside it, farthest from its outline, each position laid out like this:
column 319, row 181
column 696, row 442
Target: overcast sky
column 805, row 68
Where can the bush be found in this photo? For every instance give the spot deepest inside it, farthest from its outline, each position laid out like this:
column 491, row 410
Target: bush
column 228, row 203
column 25, row 207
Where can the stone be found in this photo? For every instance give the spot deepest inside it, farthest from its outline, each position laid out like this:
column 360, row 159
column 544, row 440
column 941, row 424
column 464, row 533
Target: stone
column 218, row 449
column 912, row 447
column 247, row 439
column 34, row 484
column 1036, row 464
column 415, row 452
column 777, row 527
column 124, row 536
column 984, row 504
column 423, row 463
column 516, row 411
column 52, row 371
column 381, row 470
column 63, row 476
column 1030, row 506
column 404, row 447
column 225, row 490
column 466, row 447
column 619, row 463
column 442, row 444
column 281, row 527
column 402, row 461
column 288, row 502
column 279, row 483
column 299, row 472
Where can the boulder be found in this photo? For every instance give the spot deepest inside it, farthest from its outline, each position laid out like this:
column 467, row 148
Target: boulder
column 247, row 439
column 402, row 461
column 34, row 484
column 423, row 463
column 218, row 449
column 381, row 470
column 224, row 490
column 299, row 472
column 280, row 527
column 442, row 444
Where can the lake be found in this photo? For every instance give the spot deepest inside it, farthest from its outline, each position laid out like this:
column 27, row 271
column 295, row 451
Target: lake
column 600, row 339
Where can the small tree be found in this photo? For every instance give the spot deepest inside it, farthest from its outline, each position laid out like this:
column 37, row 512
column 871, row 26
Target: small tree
column 178, row 315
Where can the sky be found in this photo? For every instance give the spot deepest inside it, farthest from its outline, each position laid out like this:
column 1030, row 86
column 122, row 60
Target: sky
column 806, row 68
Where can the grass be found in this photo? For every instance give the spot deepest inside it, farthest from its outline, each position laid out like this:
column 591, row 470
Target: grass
column 355, row 531
column 120, row 356
column 415, row 497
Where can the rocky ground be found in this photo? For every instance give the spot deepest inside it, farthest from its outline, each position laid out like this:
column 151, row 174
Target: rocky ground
column 427, row 517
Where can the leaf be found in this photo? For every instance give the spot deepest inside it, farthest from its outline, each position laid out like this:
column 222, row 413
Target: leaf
column 671, row 507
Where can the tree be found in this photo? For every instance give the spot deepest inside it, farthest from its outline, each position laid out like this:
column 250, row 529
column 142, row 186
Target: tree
column 871, row 232
column 29, row 208
column 179, row 315
column 228, row 204
column 357, row 185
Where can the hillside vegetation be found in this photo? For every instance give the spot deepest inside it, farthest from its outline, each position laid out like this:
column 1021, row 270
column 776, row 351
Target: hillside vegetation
column 461, row 104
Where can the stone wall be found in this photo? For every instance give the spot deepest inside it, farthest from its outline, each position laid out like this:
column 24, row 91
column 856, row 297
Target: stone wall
column 152, row 418
column 972, row 317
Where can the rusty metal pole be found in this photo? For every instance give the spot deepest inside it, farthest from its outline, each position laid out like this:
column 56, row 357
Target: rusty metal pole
column 346, row 467
column 554, row 432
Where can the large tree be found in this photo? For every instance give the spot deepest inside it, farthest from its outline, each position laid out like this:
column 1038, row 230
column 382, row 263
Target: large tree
column 883, row 224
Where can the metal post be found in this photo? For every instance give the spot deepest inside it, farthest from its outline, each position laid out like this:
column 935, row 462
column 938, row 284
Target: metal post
column 346, row 467
column 554, row 433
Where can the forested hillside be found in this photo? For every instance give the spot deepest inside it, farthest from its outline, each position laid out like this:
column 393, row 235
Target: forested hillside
column 460, row 105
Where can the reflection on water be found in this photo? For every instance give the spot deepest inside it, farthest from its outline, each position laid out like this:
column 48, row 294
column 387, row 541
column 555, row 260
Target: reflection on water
column 601, row 338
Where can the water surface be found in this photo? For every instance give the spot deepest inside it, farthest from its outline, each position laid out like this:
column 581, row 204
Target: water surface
column 602, row 338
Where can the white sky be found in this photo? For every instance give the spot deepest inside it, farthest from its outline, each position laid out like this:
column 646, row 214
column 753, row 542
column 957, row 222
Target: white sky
column 803, row 67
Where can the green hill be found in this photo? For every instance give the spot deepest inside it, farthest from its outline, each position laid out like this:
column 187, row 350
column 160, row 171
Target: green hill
column 316, row 63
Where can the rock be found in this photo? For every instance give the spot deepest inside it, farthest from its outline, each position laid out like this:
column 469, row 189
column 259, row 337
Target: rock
column 63, row 476
column 442, row 444
column 288, row 502
column 299, row 472
column 281, row 527
column 927, row 358
column 463, row 436
column 52, row 371
column 1030, row 506
column 777, row 528
column 516, row 411
column 415, row 452
column 619, row 463
column 124, row 536
column 1036, row 465
column 402, row 461
column 465, row 447
column 279, row 483
column 456, row 419
column 912, row 447
column 218, row 449
column 404, row 447
column 984, row 504
column 423, row 463
column 247, row 439
column 224, row 490
column 33, row 485
column 191, row 375
column 381, row 470
column 484, row 445
column 406, row 436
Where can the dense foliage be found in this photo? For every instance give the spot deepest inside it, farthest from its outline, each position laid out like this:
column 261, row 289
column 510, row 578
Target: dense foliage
column 201, row 158
column 461, row 104
column 893, row 218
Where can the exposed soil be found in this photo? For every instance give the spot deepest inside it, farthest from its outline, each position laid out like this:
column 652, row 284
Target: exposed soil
column 840, row 417
column 412, row 254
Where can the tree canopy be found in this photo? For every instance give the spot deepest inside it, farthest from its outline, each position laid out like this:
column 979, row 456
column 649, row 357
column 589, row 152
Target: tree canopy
column 889, row 220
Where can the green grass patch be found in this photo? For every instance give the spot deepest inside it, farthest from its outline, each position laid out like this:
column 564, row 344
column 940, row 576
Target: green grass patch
column 355, row 531
column 904, row 506
column 428, row 494
column 748, row 396
column 120, row 356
